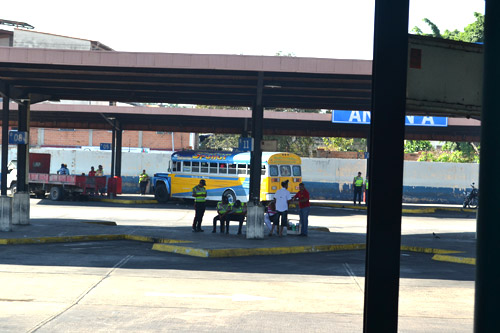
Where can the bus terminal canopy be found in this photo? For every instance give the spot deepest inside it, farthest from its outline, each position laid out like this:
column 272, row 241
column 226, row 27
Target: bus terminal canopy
column 230, row 80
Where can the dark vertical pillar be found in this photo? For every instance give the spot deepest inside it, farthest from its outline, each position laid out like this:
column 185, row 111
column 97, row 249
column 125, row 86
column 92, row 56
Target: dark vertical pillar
column 256, row 154
column 5, row 139
column 488, row 228
column 118, row 168
column 386, row 165
column 22, row 150
column 113, row 148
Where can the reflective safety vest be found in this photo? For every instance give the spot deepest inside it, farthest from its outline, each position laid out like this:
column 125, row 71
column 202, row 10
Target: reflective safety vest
column 366, row 184
column 222, row 208
column 200, row 190
column 143, row 177
column 237, row 210
column 358, row 181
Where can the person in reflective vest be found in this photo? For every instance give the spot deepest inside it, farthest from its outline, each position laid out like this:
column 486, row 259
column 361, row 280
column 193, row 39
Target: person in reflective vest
column 222, row 208
column 366, row 189
column 143, row 181
column 200, row 195
column 237, row 212
column 357, row 184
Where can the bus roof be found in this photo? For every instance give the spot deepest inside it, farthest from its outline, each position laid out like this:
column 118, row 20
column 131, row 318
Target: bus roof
column 233, row 157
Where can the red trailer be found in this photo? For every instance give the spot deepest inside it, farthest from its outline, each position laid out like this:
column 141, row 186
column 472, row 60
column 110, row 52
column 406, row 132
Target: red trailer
column 61, row 186
column 41, row 181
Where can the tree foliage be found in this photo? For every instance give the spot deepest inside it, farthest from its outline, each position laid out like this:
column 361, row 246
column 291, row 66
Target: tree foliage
column 345, row 144
column 414, row 146
column 473, row 33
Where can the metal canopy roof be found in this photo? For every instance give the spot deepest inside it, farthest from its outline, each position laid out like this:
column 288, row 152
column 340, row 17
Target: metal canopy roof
column 230, row 80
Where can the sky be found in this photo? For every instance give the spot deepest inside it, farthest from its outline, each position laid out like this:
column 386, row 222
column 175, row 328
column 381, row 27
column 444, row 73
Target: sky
column 341, row 29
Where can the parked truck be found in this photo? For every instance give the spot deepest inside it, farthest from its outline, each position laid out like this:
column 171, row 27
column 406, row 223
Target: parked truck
column 41, row 181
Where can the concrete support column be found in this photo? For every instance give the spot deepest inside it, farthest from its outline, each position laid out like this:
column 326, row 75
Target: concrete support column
column 118, row 165
column 139, row 139
column 21, row 208
column 488, row 228
column 5, row 213
column 5, row 139
column 383, row 241
column 256, row 153
column 41, row 137
column 255, row 220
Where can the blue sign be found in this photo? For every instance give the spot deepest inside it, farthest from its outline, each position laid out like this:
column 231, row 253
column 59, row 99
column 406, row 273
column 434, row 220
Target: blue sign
column 105, row 146
column 364, row 117
column 245, row 144
column 18, row 138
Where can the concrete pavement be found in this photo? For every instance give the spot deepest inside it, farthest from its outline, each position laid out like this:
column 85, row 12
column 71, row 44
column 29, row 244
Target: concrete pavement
column 180, row 240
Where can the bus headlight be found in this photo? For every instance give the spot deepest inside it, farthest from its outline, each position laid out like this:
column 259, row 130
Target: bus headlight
column 273, row 188
column 297, row 188
column 296, row 180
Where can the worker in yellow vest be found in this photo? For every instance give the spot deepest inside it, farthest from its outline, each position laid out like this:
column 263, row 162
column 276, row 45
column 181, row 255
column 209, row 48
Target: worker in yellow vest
column 143, row 181
column 357, row 185
column 237, row 213
column 200, row 198
column 222, row 208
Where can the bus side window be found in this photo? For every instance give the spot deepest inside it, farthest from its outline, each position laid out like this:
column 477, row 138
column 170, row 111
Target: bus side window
column 273, row 170
column 232, row 169
column 204, row 167
column 186, row 167
column 285, row 171
column 223, row 168
column 242, row 169
column 263, row 170
column 196, row 166
column 213, row 167
column 296, row 171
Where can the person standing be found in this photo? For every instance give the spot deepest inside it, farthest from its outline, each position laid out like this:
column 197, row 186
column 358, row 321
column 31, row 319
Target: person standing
column 92, row 172
column 99, row 172
column 143, row 181
column 200, row 195
column 63, row 170
column 283, row 197
column 357, row 184
column 222, row 208
column 366, row 190
column 304, row 206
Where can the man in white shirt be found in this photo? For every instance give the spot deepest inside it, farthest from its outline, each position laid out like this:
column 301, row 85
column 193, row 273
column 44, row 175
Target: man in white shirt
column 283, row 197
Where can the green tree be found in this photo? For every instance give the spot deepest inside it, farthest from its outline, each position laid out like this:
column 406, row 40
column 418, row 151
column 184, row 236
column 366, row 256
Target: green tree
column 414, row 146
column 473, row 33
column 345, row 144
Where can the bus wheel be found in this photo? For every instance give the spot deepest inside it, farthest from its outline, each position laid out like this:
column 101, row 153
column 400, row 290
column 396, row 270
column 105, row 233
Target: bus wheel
column 229, row 194
column 13, row 188
column 161, row 193
column 56, row 193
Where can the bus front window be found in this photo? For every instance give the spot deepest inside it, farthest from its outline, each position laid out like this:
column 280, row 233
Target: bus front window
column 273, row 170
column 285, row 171
column 296, row 171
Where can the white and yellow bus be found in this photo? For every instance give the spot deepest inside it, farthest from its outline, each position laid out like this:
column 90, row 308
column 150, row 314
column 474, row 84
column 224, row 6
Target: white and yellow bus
column 226, row 173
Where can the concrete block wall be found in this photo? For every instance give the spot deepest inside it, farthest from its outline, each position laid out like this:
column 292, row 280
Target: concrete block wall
column 325, row 178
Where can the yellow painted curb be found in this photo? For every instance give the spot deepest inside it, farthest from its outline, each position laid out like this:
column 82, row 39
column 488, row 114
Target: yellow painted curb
column 457, row 260
column 60, row 239
column 427, row 250
column 190, row 251
column 239, row 252
column 154, row 239
column 418, row 210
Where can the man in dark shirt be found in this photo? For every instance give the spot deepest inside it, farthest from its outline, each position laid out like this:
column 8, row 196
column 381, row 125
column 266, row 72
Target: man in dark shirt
column 304, row 206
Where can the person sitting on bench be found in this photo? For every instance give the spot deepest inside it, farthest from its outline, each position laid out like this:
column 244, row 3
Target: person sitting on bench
column 222, row 208
column 236, row 213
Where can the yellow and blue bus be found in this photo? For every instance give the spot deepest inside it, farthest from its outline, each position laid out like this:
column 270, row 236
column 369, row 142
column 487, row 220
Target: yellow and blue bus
column 226, row 173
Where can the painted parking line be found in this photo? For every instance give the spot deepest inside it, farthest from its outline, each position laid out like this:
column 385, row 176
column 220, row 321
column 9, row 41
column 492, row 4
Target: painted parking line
column 454, row 259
